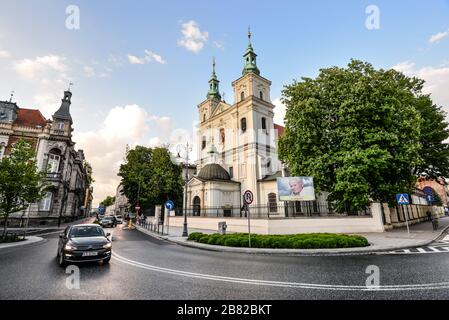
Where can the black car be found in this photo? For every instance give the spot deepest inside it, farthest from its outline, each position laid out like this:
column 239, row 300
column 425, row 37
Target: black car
column 83, row 243
column 109, row 221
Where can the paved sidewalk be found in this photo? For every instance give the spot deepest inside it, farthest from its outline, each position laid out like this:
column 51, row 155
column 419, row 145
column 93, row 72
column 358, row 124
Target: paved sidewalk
column 29, row 240
column 421, row 234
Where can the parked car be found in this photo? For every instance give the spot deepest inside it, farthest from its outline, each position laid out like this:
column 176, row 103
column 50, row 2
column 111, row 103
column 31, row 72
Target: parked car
column 119, row 219
column 84, row 243
column 108, row 222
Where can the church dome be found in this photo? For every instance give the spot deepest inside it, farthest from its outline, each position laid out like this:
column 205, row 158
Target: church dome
column 213, row 171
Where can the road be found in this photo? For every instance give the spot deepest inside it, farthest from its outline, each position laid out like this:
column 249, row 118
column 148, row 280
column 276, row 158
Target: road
column 147, row 268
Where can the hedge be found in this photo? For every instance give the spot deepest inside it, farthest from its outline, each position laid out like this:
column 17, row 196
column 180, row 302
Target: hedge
column 293, row 241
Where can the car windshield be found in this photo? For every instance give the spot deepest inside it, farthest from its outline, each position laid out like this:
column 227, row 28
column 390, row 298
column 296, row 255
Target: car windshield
column 86, row 231
column 107, row 218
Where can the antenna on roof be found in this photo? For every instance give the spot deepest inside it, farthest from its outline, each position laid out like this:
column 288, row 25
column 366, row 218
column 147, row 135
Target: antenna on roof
column 12, row 95
column 70, row 84
column 224, row 94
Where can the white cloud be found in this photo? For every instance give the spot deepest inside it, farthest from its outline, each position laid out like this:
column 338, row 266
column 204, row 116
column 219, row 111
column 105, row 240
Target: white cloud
column 105, row 148
column 279, row 112
column 149, row 56
column 29, row 68
column 5, row 54
column 437, row 81
column 89, row 71
column 404, row 67
column 218, row 45
column 438, row 37
column 194, row 38
column 135, row 60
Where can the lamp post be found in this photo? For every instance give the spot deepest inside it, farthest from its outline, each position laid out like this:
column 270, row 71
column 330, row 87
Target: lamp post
column 186, row 148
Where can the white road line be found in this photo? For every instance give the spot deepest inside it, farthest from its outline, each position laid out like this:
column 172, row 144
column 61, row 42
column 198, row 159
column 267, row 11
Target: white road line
column 446, row 238
column 434, row 249
column 429, row 286
column 421, row 250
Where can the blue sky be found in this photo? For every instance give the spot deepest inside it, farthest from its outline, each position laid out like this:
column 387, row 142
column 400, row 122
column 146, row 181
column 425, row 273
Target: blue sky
column 39, row 56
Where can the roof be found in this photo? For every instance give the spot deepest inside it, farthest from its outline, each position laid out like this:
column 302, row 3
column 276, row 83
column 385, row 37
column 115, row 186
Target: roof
column 272, row 177
column 30, row 118
column 280, row 129
column 213, row 171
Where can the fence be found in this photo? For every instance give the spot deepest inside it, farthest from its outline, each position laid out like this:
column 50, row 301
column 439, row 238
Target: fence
column 155, row 227
column 274, row 210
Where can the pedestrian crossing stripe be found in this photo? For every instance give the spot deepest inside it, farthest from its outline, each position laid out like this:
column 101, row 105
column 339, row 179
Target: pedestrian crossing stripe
column 437, row 247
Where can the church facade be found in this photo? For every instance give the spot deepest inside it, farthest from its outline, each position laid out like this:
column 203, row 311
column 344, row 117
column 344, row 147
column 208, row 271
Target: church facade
column 236, row 146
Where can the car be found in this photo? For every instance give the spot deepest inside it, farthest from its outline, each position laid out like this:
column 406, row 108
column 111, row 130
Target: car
column 108, row 221
column 119, row 219
column 84, row 243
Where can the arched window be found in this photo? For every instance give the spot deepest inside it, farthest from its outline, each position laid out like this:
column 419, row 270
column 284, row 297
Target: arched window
column 204, row 117
column 242, row 96
column 261, row 95
column 264, row 124
column 203, row 142
column 222, row 135
column 196, row 206
column 54, row 159
column 272, row 202
column 243, row 124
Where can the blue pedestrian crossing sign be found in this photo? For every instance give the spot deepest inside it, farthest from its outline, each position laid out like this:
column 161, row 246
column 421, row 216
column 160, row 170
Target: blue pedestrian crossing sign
column 170, row 205
column 402, row 198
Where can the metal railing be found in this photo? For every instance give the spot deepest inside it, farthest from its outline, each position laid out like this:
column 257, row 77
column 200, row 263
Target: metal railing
column 314, row 209
column 149, row 225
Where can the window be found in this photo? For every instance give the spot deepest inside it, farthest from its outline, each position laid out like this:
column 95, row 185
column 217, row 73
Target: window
column 61, row 126
column 222, row 135
column 203, row 143
column 261, row 95
column 272, row 202
column 264, row 124
column 53, row 163
column 204, row 117
column 2, row 150
column 45, row 203
column 231, row 172
column 243, row 124
column 242, row 96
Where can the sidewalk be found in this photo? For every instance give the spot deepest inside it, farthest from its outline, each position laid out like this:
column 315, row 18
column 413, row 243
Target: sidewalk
column 421, row 234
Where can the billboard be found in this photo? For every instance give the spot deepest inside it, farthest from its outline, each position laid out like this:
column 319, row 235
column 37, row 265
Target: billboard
column 296, row 189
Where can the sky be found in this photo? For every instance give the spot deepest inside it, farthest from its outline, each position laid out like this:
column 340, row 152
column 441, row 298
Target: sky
column 140, row 68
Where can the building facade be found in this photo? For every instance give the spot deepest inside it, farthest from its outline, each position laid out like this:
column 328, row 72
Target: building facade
column 69, row 196
column 236, row 144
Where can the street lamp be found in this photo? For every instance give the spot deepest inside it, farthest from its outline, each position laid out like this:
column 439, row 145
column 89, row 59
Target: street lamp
column 186, row 148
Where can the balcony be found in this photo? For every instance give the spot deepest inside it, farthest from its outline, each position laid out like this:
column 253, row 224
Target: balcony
column 54, row 176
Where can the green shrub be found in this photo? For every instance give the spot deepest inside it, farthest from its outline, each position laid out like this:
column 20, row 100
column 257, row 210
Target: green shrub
column 195, row 236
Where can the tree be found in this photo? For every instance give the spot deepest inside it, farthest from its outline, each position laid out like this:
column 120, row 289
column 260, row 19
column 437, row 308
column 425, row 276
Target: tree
column 89, row 174
column 109, row 201
column 357, row 131
column 434, row 131
column 21, row 183
column 149, row 177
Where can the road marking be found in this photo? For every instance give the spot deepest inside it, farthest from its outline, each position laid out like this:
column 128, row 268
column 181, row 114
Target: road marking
column 428, row 286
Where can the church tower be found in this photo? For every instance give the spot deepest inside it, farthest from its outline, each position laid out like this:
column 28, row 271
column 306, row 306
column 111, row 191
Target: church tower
column 62, row 120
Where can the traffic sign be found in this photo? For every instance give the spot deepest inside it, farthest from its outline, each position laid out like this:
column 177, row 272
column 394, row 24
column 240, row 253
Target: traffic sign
column 169, row 205
column 428, row 190
column 402, row 198
column 248, row 197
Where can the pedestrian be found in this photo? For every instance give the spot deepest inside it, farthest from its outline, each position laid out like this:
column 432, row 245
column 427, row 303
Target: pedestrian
column 429, row 215
column 446, row 211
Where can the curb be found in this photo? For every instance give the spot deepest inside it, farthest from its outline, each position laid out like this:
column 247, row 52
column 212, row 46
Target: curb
column 30, row 240
column 341, row 251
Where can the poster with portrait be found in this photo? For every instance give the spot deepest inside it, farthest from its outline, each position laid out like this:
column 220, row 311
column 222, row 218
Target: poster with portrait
column 296, row 189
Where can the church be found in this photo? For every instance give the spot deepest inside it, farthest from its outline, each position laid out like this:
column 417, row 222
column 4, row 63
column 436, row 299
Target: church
column 236, row 146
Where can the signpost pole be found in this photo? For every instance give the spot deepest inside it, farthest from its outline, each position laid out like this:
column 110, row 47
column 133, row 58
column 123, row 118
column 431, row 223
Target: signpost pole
column 249, row 225
column 406, row 220
column 248, row 198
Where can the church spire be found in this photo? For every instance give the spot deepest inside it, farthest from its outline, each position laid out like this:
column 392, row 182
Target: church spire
column 214, row 92
column 63, row 113
column 250, row 58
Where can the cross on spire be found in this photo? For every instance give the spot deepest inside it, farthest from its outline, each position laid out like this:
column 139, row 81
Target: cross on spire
column 12, row 95
column 70, row 84
column 249, row 34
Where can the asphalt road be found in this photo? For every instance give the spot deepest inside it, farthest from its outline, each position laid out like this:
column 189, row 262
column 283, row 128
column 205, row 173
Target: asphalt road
column 146, row 268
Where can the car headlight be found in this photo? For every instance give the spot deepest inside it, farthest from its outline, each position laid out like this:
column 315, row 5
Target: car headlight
column 107, row 245
column 69, row 247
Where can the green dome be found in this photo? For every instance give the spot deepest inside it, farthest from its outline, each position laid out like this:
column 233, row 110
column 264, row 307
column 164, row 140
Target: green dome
column 213, row 171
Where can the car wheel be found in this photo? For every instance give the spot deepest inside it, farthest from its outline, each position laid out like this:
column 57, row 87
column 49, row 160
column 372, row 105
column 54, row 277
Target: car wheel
column 61, row 260
column 106, row 261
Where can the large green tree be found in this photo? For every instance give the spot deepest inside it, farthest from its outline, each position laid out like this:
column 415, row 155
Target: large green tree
column 150, row 177
column 360, row 133
column 108, row 201
column 21, row 183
